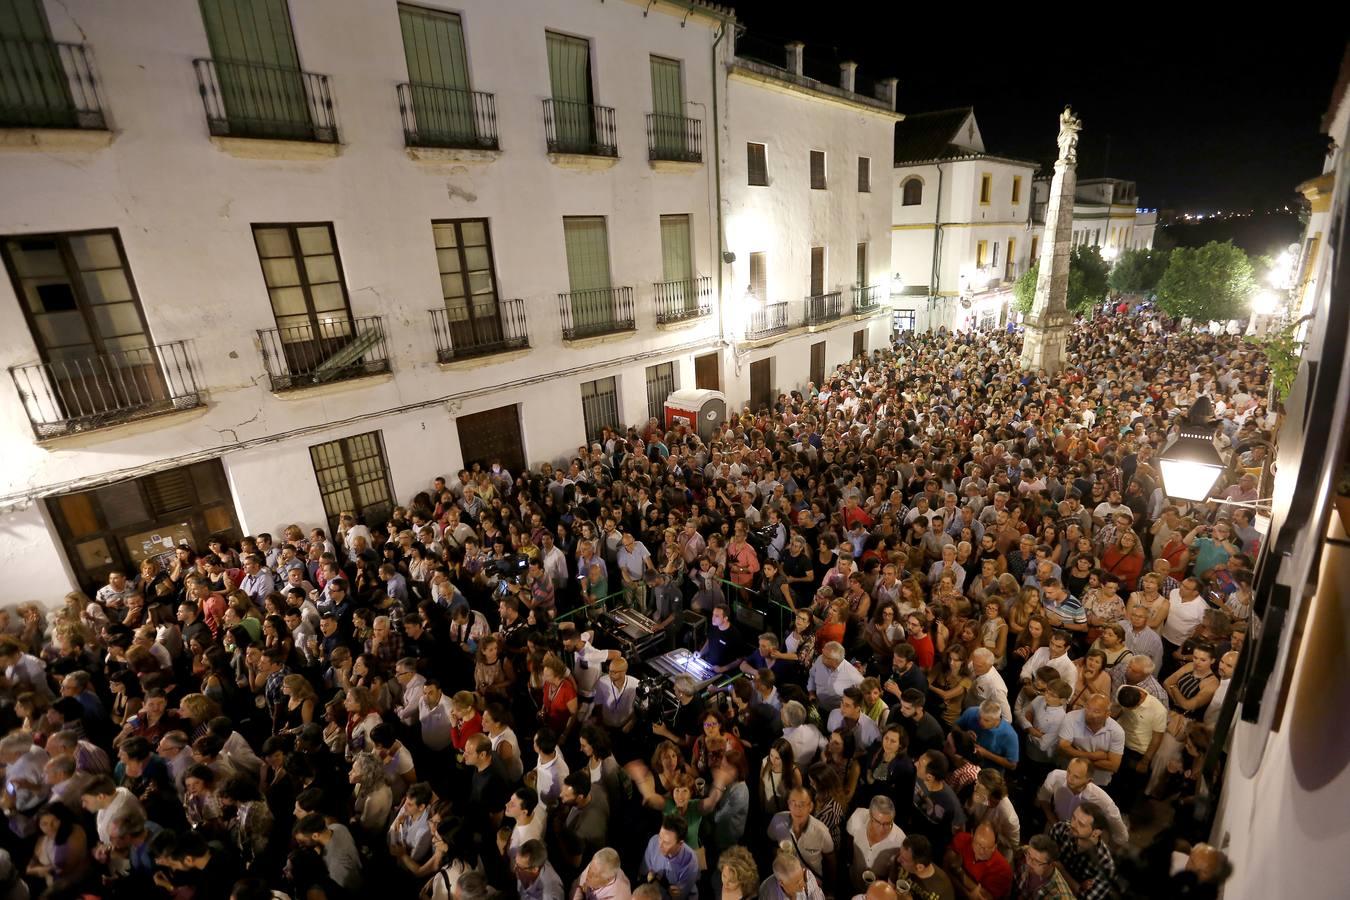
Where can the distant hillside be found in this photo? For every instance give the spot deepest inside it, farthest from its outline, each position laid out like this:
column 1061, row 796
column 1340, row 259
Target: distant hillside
column 1259, row 234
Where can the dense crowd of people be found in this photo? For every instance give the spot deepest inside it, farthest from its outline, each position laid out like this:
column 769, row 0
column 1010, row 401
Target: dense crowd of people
column 967, row 647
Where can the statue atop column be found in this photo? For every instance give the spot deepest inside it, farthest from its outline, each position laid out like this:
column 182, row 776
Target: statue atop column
column 1069, row 126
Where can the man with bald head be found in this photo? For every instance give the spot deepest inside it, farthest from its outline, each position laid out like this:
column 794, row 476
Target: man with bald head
column 978, row 870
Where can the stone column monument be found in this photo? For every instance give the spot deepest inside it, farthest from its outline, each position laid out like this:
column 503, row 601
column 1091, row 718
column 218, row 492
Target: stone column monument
column 1047, row 326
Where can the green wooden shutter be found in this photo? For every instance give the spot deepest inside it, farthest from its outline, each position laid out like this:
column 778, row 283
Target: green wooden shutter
column 588, row 271
column 569, row 75
column 668, row 106
column 257, row 66
column 677, row 260
column 438, row 72
column 33, row 87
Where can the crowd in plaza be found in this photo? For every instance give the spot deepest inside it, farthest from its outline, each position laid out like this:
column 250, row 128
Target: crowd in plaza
column 988, row 657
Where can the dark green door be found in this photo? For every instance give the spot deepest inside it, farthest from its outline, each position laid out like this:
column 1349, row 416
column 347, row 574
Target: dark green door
column 668, row 108
column 438, row 74
column 257, row 67
column 569, row 75
column 33, row 88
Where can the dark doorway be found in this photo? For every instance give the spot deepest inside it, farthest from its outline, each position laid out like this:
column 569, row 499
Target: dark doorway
column 859, row 342
column 818, row 363
column 492, row 434
column 761, row 384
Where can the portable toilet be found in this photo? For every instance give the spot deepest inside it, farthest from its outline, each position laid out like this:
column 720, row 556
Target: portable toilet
column 701, row 410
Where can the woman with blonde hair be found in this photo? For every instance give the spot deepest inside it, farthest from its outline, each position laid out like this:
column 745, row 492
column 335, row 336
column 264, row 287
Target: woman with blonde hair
column 1028, row 606
column 466, row 719
column 300, row 704
column 197, row 710
column 740, row 876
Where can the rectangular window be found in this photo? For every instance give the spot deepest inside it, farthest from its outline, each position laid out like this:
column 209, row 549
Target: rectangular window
column 1008, row 269
column 660, row 385
column 756, row 165
column 600, row 406
column 303, row 273
column 817, row 170
column 993, row 261
column 669, row 136
column 569, row 75
column 759, row 276
column 77, row 294
column 354, row 477
column 864, row 175
column 981, row 254
column 1035, row 245
column 861, row 274
column 986, row 188
column 817, row 271
column 860, row 343
column 818, row 363
column 592, row 301
column 1017, row 189
column 468, row 280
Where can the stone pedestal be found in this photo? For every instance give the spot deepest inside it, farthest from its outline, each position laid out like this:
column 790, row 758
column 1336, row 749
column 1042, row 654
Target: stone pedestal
column 1043, row 344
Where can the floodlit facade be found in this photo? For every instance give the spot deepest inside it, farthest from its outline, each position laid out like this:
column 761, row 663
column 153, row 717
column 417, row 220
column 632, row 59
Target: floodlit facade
column 961, row 230
column 286, row 260
column 807, row 205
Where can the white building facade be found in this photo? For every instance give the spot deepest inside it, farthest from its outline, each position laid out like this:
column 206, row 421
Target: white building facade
column 807, row 209
column 962, row 228
column 242, row 295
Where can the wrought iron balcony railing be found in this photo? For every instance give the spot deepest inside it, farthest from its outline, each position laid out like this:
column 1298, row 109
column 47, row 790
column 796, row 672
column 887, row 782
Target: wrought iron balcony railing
column 79, row 393
column 822, row 308
column 252, row 100
column 674, row 138
column 767, row 320
column 444, row 117
column 596, row 311
column 687, row 298
column 866, row 297
column 48, row 85
column 462, row 332
column 336, row 349
column 572, row 127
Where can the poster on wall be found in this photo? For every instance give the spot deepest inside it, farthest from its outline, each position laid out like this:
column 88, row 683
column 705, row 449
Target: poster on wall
column 158, row 543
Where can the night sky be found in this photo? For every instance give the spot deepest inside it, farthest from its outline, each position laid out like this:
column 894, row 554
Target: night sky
column 1199, row 122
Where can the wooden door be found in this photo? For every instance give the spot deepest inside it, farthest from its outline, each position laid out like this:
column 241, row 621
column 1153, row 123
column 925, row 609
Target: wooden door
column 569, row 73
column 859, row 342
column 492, row 434
column 707, row 372
column 818, row 363
column 668, row 107
column 817, row 271
column 257, row 66
column 761, row 384
column 438, row 73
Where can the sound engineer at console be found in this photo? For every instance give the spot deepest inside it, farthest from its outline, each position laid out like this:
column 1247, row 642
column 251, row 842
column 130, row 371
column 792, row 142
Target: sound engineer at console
column 721, row 651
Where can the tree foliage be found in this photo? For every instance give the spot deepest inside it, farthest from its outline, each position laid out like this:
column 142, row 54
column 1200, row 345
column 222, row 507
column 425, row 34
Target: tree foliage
column 1213, row 283
column 1088, row 274
column 1138, row 271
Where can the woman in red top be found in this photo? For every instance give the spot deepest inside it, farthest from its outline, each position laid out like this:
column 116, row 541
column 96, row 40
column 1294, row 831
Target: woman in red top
column 465, row 719
column 836, row 623
column 558, row 706
column 916, row 632
column 1125, row 560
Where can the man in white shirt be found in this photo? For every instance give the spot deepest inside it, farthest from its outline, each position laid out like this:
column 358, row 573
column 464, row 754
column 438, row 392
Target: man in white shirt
column 584, row 660
column 806, row 739
column 830, row 675
column 1091, row 734
column 405, row 673
column 876, row 840
column 988, row 683
column 614, row 696
column 1055, row 655
column 1064, row 790
column 107, row 801
column 555, row 562
column 1185, row 609
column 433, row 711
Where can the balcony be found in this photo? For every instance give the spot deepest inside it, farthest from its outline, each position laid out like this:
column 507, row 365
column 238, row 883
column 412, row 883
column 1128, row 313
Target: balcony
column 674, row 138
column 579, row 128
column 822, row 308
column 594, row 312
column 866, row 298
column 767, row 320
column 463, row 334
column 80, row 393
column 250, row 100
column 444, row 117
column 48, row 85
column 339, row 349
column 680, row 301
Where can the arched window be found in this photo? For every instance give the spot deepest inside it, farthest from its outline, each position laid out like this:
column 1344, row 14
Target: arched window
column 911, row 192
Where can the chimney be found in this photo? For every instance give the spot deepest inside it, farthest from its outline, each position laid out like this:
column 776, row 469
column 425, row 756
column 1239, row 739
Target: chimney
column 848, row 72
column 794, row 57
column 886, row 89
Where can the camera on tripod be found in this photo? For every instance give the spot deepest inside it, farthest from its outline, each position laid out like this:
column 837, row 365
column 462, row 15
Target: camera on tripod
column 508, row 570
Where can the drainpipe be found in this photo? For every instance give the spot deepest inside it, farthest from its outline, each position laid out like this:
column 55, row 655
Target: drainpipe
column 717, row 190
column 935, row 278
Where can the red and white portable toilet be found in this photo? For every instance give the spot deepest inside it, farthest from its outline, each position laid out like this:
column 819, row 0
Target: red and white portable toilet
column 700, row 410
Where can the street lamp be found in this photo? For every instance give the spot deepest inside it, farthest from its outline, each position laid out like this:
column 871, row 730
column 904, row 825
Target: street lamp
column 1191, row 464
